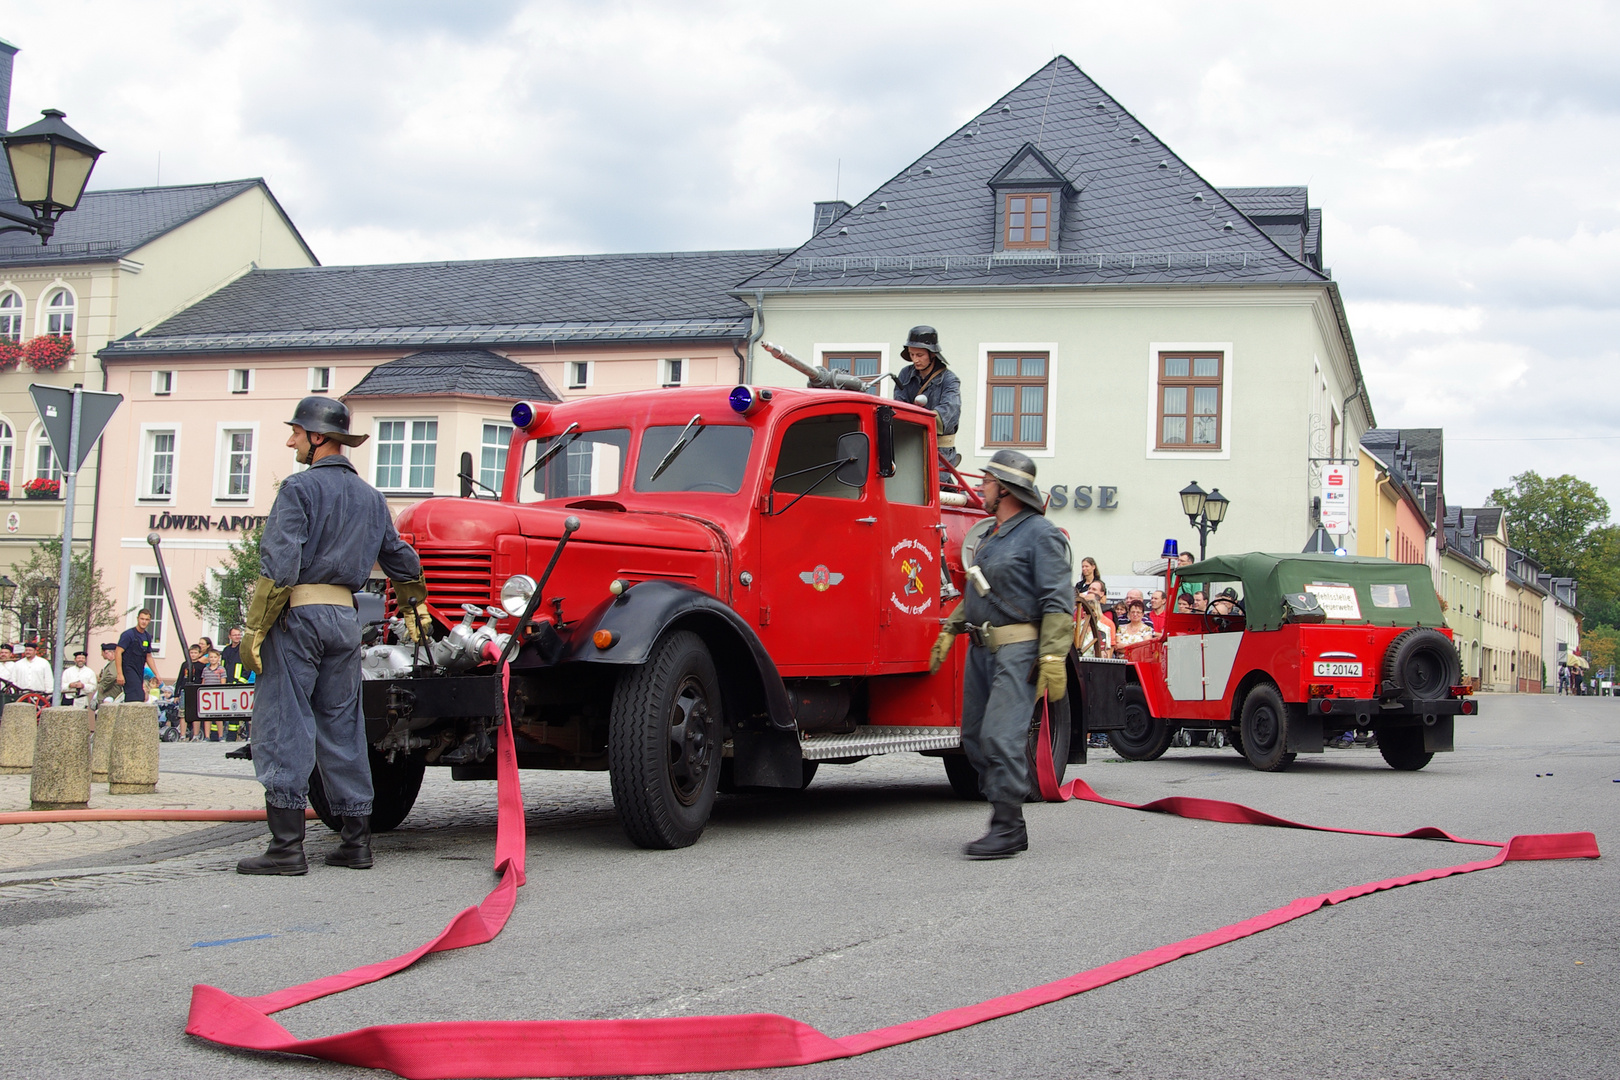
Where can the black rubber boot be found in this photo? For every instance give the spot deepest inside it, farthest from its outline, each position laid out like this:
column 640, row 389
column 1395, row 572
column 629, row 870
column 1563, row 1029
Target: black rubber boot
column 355, row 849
column 285, row 855
column 1007, row 835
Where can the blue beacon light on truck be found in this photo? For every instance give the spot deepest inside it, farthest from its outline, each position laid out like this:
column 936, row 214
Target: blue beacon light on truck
column 522, row 415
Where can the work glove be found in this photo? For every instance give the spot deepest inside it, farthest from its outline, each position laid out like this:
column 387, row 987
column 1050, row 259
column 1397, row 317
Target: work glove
column 950, row 626
column 269, row 600
column 1057, row 638
column 411, row 599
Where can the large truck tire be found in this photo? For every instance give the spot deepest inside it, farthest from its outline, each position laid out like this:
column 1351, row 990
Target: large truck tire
column 1422, row 664
column 394, row 787
column 963, row 776
column 664, row 740
column 1144, row 737
column 1403, row 748
column 1265, row 729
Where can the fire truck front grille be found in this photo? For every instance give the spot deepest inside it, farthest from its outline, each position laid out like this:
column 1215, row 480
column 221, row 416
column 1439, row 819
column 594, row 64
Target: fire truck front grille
column 455, row 578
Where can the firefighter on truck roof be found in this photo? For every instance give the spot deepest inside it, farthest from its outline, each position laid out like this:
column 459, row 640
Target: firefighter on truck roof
column 929, row 379
column 1019, row 611
column 325, row 531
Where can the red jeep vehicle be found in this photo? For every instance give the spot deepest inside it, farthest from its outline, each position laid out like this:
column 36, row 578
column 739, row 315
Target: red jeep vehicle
column 699, row 589
column 1291, row 651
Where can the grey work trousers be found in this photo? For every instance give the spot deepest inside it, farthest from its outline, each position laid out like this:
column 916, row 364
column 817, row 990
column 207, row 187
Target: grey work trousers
column 998, row 701
column 306, row 708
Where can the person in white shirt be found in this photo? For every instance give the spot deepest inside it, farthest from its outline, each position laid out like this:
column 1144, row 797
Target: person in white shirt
column 33, row 671
column 8, row 665
column 78, row 681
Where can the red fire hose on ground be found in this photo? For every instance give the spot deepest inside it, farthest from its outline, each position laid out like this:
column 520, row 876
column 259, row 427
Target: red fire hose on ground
column 483, row 1048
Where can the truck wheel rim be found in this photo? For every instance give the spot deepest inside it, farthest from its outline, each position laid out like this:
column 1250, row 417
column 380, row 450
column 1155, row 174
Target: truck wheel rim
column 1265, row 728
column 689, row 746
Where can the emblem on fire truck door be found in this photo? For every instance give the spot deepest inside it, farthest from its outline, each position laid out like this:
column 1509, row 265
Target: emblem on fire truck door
column 820, row 579
column 912, row 563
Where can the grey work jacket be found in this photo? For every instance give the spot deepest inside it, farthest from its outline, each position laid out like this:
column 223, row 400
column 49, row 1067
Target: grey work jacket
column 1028, row 564
column 943, row 392
column 329, row 527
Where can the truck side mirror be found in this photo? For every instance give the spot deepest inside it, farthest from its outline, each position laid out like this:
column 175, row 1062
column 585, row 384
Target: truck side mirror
column 856, row 453
column 885, row 440
column 466, row 474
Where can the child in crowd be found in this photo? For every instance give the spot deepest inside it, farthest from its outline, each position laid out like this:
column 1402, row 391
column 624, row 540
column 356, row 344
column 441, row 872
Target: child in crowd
column 214, row 675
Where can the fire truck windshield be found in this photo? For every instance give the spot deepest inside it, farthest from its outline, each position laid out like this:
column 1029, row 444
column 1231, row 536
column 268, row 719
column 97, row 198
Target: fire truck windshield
column 715, row 460
column 591, row 463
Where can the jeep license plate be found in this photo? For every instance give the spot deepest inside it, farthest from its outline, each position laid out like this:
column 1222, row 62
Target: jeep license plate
column 1339, row 669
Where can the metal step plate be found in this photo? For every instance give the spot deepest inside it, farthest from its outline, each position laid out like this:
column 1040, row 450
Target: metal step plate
column 879, row 740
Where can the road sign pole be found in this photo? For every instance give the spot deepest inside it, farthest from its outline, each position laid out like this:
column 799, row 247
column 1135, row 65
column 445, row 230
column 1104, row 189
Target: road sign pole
column 70, row 475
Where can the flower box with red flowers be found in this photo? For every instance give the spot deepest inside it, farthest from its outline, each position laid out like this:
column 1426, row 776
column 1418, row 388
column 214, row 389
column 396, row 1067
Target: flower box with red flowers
column 43, row 488
column 11, row 354
column 5, row 489
column 49, row 353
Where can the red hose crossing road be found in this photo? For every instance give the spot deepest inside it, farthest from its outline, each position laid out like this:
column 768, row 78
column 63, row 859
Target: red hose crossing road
column 487, row 1048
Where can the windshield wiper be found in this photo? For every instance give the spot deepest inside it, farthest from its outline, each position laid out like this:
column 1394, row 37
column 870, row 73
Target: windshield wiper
column 569, row 434
column 681, row 443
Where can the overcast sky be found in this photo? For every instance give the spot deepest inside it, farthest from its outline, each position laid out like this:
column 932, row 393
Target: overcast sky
column 1466, row 157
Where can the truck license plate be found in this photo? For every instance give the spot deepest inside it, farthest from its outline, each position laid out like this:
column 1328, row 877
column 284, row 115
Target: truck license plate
column 1338, row 669
column 225, row 701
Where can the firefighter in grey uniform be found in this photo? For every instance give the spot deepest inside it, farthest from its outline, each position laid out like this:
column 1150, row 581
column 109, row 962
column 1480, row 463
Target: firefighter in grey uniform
column 326, row 530
column 927, row 377
column 1019, row 611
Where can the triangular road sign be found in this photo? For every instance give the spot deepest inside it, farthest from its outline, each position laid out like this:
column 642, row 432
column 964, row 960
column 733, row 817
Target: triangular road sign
column 55, row 405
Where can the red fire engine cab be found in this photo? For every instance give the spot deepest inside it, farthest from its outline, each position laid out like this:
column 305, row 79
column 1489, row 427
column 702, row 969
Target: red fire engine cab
column 699, row 589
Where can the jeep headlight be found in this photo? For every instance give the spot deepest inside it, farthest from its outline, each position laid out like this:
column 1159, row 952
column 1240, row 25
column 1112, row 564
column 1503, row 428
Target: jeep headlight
column 516, row 593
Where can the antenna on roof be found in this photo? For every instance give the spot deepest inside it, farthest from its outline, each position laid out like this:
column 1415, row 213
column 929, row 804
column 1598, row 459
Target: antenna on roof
column 1042, row 130
column 838, row 177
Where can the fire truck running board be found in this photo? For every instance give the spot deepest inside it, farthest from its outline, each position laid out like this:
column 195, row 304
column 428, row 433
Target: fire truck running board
column 865, row 741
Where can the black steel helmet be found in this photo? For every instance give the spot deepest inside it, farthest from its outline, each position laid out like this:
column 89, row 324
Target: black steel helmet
column 1016, row 473
column 924, row 337
column 325, row 416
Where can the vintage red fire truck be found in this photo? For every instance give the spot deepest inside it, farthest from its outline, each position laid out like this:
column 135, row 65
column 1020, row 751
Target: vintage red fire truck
column 1290, row 651
column 699, row 589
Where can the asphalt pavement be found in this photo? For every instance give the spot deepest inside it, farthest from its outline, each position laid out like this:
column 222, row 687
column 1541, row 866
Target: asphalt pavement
column 848, row 907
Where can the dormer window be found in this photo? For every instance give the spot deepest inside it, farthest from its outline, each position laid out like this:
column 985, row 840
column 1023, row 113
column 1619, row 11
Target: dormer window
column 1028, row 219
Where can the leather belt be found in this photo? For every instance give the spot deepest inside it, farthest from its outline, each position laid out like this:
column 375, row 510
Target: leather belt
column 306, row 595
column 994, row 637
column 947, row 442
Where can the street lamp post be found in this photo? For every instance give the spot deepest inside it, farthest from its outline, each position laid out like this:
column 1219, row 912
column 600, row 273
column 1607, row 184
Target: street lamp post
column 1205, row 511
column 50, row 166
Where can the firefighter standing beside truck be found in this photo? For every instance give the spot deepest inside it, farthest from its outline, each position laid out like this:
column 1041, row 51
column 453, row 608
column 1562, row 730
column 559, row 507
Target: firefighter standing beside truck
column 928, row 377
column 1019, row 611
column 325, row 531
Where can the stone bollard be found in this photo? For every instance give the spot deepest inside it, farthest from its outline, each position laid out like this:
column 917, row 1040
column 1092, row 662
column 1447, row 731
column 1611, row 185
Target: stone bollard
column 101, row 742
column 61, row 761
column 17, row 725
column 132, row 766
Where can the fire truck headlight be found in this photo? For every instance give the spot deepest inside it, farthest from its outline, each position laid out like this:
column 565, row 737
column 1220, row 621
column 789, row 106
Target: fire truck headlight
column 516, row 592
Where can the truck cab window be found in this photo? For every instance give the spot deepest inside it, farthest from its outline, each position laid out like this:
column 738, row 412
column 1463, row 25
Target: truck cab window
column 810, row 443
column 591, row 464
column 909, row 484
column 715, row 460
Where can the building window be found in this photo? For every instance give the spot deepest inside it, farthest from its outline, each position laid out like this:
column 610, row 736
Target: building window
column 406, row 453
column 159, row 461
column 11, row 316
column 45, row 464
column 492, row 455
column 864, row 364
column 579, row 374
column 1028, row 221
column 152, row 600
column 59, row 311
column 1017, row 389
column 236, row 464
column 674, row 372
column 8, row 445
column 320, row 379
column 241, row 380
column 162, row 383
column 1190, row 401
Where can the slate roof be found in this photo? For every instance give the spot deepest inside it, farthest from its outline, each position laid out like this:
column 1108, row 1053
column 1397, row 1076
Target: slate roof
column 1487, row 519
column 1140, row 214
column 109, row 225
column 453, row 372
column 663, row 296
column 1285, row 215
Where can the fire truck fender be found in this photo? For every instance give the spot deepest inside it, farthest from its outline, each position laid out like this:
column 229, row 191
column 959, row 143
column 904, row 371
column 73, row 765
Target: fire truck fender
column 645, row 612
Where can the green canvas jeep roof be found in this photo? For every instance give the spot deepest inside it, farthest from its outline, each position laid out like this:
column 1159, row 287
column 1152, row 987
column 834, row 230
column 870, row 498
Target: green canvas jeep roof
column 1387, row 593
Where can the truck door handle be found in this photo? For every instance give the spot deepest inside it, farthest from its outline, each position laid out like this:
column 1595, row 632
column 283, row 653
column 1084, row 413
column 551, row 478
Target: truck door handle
column 866, row 521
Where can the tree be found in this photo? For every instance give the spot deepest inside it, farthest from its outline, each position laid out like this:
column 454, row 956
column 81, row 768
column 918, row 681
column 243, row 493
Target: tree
column 1600, row 644
column 90, row 603
column 224, row 601
column 1563, row 523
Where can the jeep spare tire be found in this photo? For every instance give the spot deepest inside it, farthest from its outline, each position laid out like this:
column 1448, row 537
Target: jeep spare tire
column 1422, row 664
